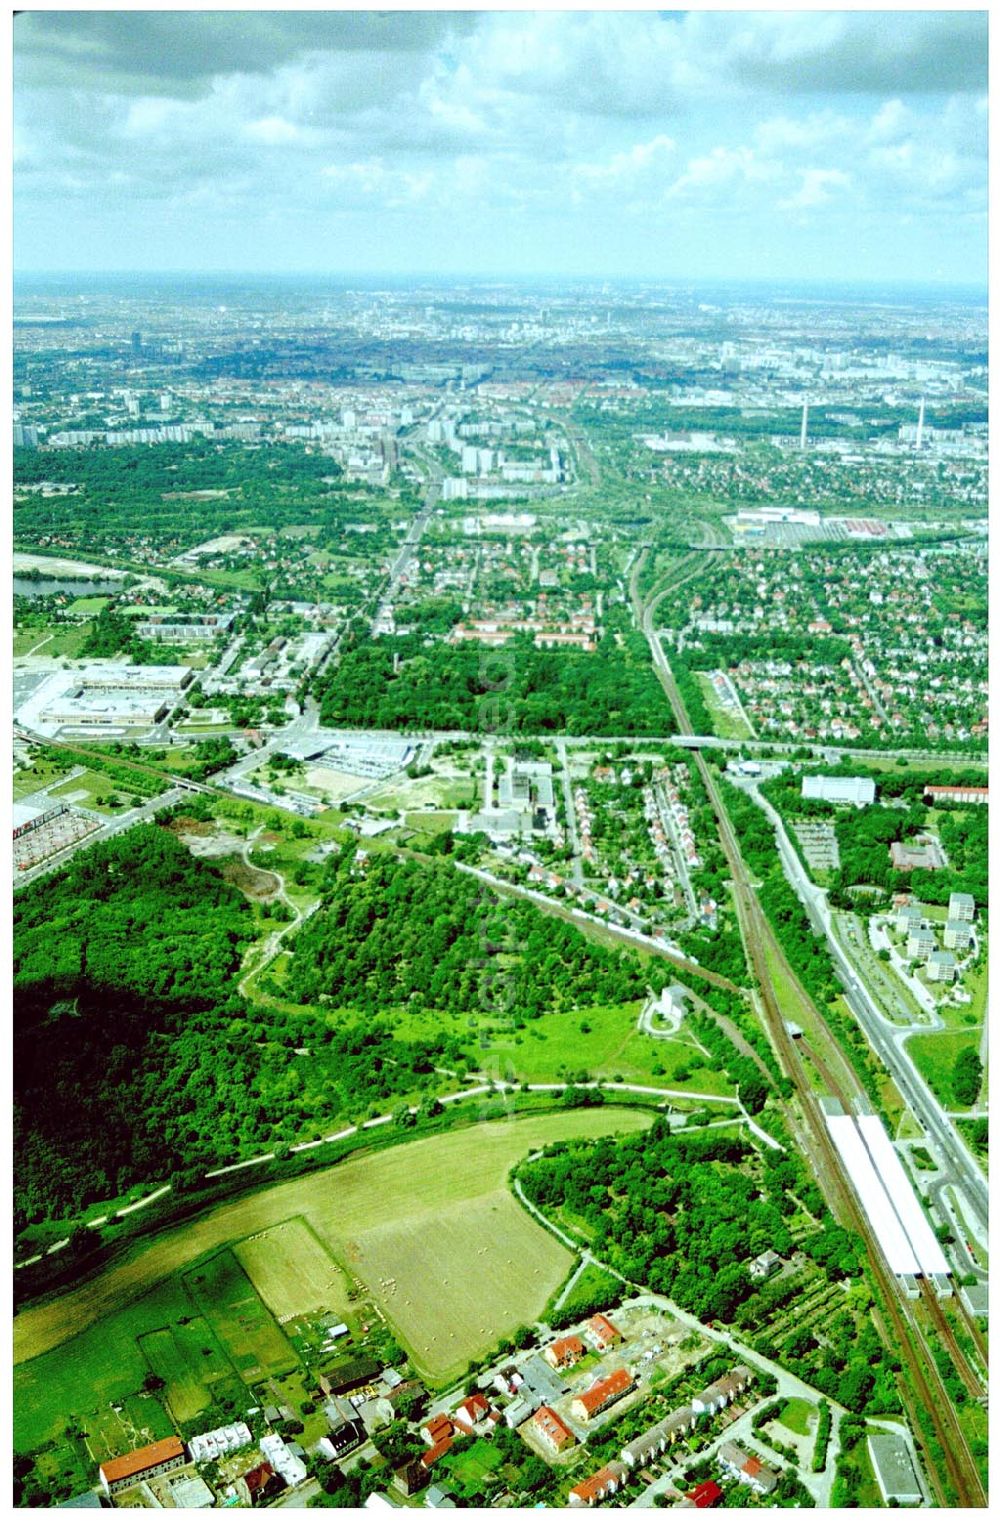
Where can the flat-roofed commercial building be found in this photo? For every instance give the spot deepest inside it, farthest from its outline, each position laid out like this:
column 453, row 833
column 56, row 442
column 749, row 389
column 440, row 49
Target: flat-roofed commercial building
column 857, row 790
column 893, row 1468
column 107, row 709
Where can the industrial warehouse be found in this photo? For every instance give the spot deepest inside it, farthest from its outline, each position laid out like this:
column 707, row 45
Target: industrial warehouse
column 106, row 695
column 888, row 1199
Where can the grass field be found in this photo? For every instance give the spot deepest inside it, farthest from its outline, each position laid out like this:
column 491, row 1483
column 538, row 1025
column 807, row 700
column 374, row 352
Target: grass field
column 41, row 772
column 727, row 723
column 100, row 1364
column 88, row 604
column 292, row 1272
column 934, row 1056
column 66, row 640
column 191, row 1361
column 602, row 1041
column 434, row 792
column 88, row 1334
column 448, row 1280
column 797, row 1415
column 471, row 1465
column 244, row 1326
column 90, row 788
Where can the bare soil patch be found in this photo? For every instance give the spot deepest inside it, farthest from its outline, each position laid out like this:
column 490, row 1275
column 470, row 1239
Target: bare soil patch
column 252, row 881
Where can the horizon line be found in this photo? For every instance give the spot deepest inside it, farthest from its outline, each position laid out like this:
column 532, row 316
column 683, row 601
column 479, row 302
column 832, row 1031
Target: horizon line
column 512, row 277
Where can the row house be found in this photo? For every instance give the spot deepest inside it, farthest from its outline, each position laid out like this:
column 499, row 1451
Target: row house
column 651, row 1443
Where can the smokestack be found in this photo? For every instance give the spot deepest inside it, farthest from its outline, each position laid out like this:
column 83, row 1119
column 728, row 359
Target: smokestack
column 920, row 425
column 805, row 425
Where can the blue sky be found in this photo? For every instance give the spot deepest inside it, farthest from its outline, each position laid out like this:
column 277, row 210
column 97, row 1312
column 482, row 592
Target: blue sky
column 816, row 145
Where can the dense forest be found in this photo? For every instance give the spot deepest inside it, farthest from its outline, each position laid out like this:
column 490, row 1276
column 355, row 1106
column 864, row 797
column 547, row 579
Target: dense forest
column 156, row 493
column 135, row 1057
column 400, row 933
column 126, row 1005
column 401, row 683
column 120, row 964
column 682, row 1214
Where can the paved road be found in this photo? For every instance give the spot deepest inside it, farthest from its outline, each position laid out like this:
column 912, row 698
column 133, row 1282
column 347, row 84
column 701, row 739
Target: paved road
column 886, row 1038
column 824, row 751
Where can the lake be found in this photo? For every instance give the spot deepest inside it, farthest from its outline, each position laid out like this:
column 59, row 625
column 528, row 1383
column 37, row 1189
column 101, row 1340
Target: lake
column 27, row 587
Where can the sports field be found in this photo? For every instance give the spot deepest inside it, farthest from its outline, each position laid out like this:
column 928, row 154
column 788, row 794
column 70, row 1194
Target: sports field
column 244, row 1326
column 438, row 1178
column 292, row 1272
column 449, row 1282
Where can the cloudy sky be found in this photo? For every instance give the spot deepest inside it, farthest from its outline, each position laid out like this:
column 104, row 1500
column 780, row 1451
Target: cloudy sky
column 799, row 143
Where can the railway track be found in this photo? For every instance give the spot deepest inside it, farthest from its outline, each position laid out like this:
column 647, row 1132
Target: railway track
column 946, row 1332
column 969, row 1322
column 922, row 1390
column 72, row 748
column 823, row 1069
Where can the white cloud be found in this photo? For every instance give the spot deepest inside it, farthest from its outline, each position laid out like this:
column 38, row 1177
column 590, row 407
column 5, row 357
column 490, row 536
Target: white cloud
column 273, row 131
column 629, row 165
column 592, row 119
column 816, row 189
column 781, row 134
column 723, row 169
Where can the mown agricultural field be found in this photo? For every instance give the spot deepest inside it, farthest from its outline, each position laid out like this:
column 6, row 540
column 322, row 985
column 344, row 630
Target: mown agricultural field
column 376, row 1215
column 292, row 1271
column 451, row 1280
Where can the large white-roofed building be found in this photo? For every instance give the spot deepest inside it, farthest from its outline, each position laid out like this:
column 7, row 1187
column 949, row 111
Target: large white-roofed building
column 875, row 1202
column 888, row 1198
column 857, row 790
column 893, row 1175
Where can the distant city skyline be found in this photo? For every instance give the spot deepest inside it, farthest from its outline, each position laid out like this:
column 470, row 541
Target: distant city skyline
column 686, row 146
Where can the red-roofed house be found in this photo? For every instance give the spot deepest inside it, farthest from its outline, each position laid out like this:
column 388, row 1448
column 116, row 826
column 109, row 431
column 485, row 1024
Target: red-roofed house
column 437, row 1451
column 551, row 1430
column 257, row 1485
column 564, row 1352
column 142, row 1464
column 473, row 1408
column 604, row 1393
column 603, row 1333
column 437, row 1427
column 600, row 1485
column 705, row 1494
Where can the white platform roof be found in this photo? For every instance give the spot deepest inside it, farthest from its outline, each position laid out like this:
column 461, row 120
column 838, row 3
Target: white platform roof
column 900, row 1190
column 882, row 1218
